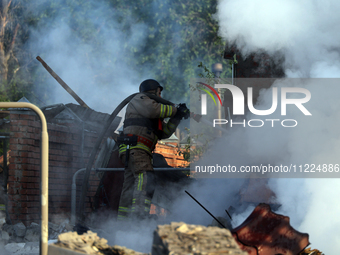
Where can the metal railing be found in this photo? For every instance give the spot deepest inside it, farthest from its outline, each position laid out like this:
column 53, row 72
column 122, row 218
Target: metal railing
column 44, row 170
column 74, row 185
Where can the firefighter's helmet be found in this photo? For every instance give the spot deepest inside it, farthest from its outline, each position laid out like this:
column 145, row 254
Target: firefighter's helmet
column 149, row 84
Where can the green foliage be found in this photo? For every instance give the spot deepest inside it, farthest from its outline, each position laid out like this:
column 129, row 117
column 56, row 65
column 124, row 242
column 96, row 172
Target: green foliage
column 182, row 42
column 180, row 34
column 3, row 93
column 192, row 150
column 207, row 73
column 2, row 146
column 200, row 135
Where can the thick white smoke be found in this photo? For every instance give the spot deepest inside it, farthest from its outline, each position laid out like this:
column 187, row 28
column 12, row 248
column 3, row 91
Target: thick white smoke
column 79, row 63
column 307, row 32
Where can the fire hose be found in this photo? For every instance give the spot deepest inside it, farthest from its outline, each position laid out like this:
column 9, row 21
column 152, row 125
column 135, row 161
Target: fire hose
column 100, row 138
column 94, row 152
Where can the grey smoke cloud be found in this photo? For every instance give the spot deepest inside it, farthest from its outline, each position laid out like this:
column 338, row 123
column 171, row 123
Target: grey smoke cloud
column 78, row 63
column 100, row 68
column 81, row 65
column 307, row 32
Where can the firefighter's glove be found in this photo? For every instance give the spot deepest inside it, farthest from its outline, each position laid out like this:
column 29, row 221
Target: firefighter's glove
column 182, row 112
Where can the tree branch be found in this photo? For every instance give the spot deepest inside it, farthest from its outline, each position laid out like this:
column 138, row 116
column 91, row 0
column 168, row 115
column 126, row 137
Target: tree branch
column 9, row 4
column 3, row 24
column 8, row 54
column 5, row 6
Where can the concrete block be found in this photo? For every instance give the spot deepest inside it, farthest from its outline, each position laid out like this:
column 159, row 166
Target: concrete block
column 181, row 238
column 20, row 229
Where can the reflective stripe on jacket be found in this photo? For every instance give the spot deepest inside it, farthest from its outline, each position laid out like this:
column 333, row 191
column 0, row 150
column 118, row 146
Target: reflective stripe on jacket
column 141, row 106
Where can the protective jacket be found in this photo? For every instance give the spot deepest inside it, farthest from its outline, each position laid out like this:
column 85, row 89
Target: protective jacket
column 143, row 125
column 144, row 118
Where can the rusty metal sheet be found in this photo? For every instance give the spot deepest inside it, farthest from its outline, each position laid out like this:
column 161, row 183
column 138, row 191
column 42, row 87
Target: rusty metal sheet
column 267, row 233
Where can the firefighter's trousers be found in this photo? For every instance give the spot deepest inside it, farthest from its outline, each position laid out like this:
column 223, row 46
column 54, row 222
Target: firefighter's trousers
column 138, row 187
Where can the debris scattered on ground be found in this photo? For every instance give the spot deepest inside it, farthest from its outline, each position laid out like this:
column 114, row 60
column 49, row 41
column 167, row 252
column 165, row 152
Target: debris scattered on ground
column 20, row 229
column 181, row 238
column 176, row 238
column 29, row 248
column 90, row 243
column 309, row 251
column 265, row 232
column 19, row 239
column 19, row 233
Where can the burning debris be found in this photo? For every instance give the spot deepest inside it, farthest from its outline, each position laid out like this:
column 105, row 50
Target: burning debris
column 262, row 233
column 265, row 232
column 88, row 243
column 181, row 238
column 176, row 238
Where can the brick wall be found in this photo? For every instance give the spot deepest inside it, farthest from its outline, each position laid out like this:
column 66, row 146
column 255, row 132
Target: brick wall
column 65, row 158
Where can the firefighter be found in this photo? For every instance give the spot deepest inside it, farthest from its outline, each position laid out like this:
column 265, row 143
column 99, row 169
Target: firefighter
column 143, row 127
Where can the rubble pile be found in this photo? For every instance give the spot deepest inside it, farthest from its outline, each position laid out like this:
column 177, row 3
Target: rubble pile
column 309, row 251
column 19, row 233
column 88, row 243
column 19, row 239
column 175, row 238
column 181, row 238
